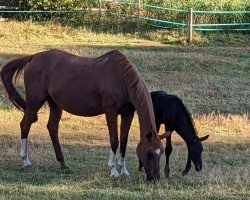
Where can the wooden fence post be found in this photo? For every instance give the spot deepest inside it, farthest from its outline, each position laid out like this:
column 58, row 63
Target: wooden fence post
column 190, row 25
column 138, row 14
column 100, row 9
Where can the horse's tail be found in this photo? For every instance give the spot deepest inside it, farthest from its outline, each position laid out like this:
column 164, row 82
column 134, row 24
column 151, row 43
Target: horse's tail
column 10, row 70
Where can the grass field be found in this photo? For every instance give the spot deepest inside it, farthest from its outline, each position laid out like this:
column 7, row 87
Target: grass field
column 212, row 80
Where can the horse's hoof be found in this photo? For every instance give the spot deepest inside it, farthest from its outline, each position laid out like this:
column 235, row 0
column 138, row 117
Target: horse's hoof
column 140, row 169
column 124, row 172
column 26, row 166
column 114, row 174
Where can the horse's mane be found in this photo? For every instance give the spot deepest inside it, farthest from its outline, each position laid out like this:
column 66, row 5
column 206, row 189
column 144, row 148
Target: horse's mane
column 190, row 118
column 137, row 86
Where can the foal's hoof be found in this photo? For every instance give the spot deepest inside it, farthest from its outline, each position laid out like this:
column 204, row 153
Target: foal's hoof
column 167, row 172
column 184, row 173
column 167, row 176
column 65, row 170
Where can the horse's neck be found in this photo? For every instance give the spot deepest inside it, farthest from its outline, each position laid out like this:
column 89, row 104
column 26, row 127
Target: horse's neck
column 186, row 131
column 146, row 121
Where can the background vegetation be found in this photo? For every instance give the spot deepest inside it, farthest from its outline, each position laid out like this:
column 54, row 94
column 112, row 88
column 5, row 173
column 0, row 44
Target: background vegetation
column 129, row 12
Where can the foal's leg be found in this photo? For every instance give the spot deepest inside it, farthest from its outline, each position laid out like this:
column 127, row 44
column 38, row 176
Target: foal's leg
column 168, row 151
column 125, row 126
column 53, row 123
column 188, row 166
column 111, row 118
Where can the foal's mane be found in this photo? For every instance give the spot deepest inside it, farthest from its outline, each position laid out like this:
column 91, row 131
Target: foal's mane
column 189, row 115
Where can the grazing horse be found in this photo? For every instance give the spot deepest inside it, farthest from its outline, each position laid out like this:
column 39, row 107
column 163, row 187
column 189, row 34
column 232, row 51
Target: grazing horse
column 170, row 111
column 86, row 87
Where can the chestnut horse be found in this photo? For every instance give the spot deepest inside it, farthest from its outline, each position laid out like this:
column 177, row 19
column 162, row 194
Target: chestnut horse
column 86, row 87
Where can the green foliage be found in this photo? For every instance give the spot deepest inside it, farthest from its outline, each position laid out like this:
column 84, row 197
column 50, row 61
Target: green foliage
column 122, row 16
column 61, row 4
column 203, row 5
column 9, row 3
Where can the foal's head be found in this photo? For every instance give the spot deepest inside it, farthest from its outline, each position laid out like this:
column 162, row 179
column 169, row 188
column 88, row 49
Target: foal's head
column 149, row 151
column 195, row 150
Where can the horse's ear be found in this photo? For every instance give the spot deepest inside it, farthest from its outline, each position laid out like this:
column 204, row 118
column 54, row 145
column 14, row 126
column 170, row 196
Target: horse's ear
column 149, row 135
column 203, row 138
column 165, row 135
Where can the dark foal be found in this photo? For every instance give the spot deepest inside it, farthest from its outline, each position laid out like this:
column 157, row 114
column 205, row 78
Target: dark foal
column 170, row 111
column 86, row 87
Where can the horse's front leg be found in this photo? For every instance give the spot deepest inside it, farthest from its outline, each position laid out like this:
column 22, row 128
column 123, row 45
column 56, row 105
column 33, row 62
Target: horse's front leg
column 111, row 118
column 188, row 166
column 140, row 166
column 125, row 126
column 168, row 151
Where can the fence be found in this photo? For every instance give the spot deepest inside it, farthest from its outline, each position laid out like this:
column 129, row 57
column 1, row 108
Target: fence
column 190, row 18
column 188, row 22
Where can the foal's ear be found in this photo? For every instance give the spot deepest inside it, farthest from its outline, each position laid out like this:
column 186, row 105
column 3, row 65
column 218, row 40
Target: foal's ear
column 203, row 138
column 149, row 135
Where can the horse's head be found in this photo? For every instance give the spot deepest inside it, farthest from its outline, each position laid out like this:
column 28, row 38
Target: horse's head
column 195, row 151
column 149, row 151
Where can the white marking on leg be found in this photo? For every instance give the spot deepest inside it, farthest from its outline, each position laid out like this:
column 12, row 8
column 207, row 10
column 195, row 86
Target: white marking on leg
column 24, row 153
column 158, row 151
column 122, row 165
column 112, row 164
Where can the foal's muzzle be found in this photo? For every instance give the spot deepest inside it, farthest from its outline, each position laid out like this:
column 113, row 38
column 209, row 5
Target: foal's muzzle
column 153, row 176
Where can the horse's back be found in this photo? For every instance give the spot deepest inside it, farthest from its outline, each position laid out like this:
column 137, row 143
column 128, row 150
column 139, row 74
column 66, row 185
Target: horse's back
column 89, row 84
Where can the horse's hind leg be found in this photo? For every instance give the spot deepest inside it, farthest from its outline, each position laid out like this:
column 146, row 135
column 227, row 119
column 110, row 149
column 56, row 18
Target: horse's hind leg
column 125, row 126
column 30, row 116
column 111, row 117
column 53, row 123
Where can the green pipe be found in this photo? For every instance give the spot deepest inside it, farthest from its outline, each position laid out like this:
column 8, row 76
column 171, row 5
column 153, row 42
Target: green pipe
column 43, row 11
column 163, row 21
column 221, row 11
column 235, row 24
column 163, row 8
column 214, row 29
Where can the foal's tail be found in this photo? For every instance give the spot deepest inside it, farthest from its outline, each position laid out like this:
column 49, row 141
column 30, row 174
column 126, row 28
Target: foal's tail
column 10, row 70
